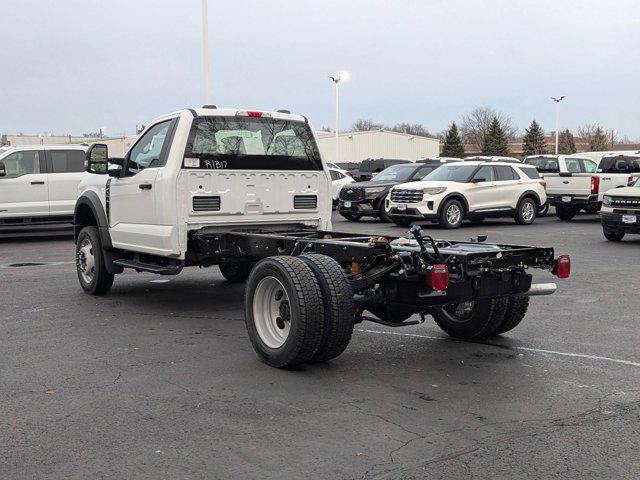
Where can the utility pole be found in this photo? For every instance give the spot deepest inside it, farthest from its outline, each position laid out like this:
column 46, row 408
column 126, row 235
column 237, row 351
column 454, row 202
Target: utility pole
column 557, row 100
column 205, row 49
column 336, row 80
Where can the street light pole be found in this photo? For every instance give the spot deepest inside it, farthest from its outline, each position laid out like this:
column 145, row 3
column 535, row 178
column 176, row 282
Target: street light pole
column 557, row 100
column 205, row 49
column 336, row 80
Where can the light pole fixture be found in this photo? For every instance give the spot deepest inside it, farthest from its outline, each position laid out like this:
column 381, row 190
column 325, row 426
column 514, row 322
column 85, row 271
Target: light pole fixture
column 205, row 50
column 336, row 79
column 557, row 100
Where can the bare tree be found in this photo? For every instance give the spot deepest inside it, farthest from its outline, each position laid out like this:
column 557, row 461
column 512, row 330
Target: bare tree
column 364, row 125
column 476, row 124
column 411, row 129
column 594, row 137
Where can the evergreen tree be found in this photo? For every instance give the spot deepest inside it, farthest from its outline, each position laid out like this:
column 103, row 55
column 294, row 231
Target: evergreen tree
column 452, row 143
column 598, row 141
column 533, row 141
column 495, row 141
column 566, row 143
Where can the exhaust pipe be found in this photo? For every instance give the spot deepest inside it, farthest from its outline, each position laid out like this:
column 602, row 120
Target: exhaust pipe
column 541, row 289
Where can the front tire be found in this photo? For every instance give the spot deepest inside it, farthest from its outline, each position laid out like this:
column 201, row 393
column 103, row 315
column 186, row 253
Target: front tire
column 566, row 213
column 383, row 215
column 92, row 272
column 613, row 236
column 452, row 214
column 351, row 217
column 468, row 320
column 284, row 312
column 402, row 222
column 235, row 272
column 526, row 211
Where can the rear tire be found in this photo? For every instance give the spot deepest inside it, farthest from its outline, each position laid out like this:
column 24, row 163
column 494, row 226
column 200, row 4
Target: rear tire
column 235, row 272
column 516, row 310
column 592, row 209
column 339, row 309
column 544, row 210
column 452, row 214
column 402, row 222
column 351, row 217
column 283, row 311
column 469, row 320
column 613, row 236
column 566, row 213
column 92, row 272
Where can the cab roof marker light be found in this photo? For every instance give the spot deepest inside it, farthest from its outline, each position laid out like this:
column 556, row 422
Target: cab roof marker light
column 252, row 113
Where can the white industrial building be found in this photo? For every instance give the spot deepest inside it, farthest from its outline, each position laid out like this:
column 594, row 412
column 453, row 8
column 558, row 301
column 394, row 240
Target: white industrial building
column 358, row 146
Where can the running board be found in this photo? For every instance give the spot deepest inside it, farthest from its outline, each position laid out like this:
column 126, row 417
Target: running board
column 149, row 267
column 541, row 289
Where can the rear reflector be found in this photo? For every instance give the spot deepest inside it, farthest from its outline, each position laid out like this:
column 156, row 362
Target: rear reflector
column 439, row 277
column 595, row 185
column 563, row 266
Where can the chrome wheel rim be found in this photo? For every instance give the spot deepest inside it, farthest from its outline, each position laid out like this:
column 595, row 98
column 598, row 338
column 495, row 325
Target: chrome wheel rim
column 527, row 211
column 453, row 214
column 272, row 312
column 460, row 312
column 85, row 260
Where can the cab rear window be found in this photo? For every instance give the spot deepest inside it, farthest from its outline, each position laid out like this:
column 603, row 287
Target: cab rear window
column 544, row 164
column 251, row 143
column 620, row 164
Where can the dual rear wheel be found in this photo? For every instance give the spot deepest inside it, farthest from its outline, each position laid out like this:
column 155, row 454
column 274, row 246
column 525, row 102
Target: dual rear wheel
column 481, row 318
column 298, row 309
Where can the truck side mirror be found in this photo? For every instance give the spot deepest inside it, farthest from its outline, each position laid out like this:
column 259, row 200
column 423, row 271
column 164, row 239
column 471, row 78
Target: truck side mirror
column 3, row 170
column 478, row 180
column 96, row 159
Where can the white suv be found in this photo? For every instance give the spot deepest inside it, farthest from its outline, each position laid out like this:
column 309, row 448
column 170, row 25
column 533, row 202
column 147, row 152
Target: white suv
column 39, row 184
column 469, row 190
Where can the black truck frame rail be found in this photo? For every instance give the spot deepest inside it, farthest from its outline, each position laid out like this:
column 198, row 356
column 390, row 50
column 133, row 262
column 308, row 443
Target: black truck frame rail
column 387, row 270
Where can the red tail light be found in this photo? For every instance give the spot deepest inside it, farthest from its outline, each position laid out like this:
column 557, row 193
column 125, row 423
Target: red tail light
column 439, row 277
column 563, row 266
column 595, row 185
column 630, row 181
column 544, row 184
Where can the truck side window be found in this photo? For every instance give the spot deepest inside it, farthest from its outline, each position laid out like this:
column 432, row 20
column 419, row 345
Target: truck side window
column 66, row 161
column 573, row 165
column 146, row 152
column 22, row 163
column 589, row 166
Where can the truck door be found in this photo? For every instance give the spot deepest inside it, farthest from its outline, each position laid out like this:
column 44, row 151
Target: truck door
column 65, row 168
column 133, row 208
column 24, row 188
column 579, row 183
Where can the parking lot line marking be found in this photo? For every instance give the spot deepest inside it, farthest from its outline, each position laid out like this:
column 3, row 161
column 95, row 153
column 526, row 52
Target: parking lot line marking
column 525, row 349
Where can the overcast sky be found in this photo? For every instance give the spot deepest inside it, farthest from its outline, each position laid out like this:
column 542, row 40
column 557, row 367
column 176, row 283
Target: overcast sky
column 72, row 66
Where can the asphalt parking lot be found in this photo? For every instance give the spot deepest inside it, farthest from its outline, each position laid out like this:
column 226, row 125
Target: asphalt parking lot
column 159, row 380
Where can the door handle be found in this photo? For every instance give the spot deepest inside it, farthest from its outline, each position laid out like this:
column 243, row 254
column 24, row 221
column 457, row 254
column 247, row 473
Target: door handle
column 566, row 182
column 39, row 182
column 145, row 186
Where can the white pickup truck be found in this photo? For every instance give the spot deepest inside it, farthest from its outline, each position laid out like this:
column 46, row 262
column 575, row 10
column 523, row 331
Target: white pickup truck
column 39, row 184
column 575, row 182
column 248, row 191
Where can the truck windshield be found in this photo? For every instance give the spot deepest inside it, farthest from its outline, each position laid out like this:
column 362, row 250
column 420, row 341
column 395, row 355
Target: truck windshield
column 620, row 164
column 451, row 173
column 544, row 164
column 397, row 173
column 251, row 143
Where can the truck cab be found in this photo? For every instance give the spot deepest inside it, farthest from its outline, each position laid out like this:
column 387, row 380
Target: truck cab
column 203, row 169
